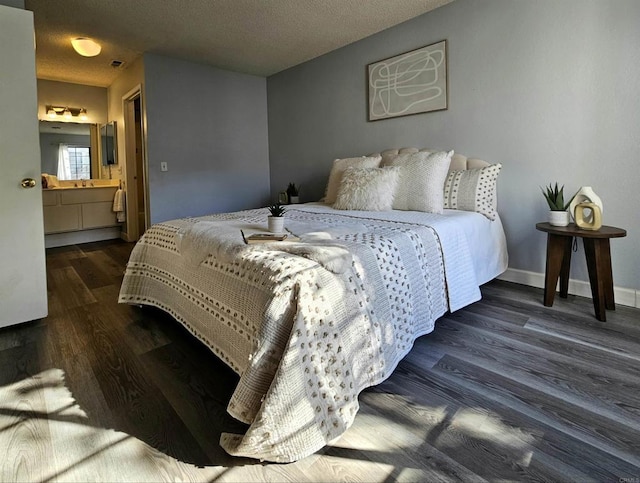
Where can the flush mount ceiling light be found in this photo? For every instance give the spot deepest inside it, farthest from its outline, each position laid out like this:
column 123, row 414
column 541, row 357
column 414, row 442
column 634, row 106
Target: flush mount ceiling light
column 86, row 47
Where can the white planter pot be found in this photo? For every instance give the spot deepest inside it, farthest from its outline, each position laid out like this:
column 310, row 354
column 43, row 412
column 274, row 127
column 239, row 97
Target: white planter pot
column 559, row 218
column 275, row 224
column 294, row 200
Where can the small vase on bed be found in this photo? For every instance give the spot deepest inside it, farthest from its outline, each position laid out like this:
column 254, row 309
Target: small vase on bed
column 275, row 221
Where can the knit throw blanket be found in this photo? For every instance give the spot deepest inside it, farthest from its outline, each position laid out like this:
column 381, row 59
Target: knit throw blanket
column 307, row 325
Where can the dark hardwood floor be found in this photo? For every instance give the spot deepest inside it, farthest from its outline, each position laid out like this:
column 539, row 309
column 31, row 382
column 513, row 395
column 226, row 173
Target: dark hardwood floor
column 503, row 390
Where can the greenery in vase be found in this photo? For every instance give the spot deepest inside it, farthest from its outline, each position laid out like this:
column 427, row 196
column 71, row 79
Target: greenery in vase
column 277, row 210
column 555, row 197
column 292, row 190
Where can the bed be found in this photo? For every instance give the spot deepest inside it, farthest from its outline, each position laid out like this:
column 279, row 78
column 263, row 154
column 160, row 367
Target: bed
column 308, row 324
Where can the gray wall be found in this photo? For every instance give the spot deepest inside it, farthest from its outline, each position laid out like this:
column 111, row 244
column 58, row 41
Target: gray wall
column 13, row 3
column 210, row 126
column 548, row 88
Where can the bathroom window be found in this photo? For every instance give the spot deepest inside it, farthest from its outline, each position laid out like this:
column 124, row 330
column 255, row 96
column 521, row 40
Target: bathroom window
column 80, row 162
column 74, row 162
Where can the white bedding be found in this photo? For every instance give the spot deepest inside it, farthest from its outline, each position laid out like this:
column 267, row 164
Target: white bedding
column 308, row 325
column 485, row 241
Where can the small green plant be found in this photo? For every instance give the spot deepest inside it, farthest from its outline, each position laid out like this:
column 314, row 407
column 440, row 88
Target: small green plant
column 292, row 190
column 277, row 210
column 555, row 197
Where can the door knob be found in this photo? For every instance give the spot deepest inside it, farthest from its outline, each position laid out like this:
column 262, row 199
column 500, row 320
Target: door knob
column 28, row 183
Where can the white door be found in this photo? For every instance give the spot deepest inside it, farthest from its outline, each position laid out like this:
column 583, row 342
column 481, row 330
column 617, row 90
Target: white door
column 23, row 282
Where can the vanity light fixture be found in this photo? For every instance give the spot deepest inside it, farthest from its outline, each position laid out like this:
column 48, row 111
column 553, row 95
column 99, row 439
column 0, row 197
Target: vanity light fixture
column 86, row 47
column 68, row 113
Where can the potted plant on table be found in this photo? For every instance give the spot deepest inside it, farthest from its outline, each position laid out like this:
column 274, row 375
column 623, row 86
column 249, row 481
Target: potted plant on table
column 293, row 193
column 558, row 214
column 275, row 221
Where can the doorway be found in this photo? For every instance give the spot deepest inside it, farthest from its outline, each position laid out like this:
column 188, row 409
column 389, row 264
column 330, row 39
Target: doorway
column 136, row 166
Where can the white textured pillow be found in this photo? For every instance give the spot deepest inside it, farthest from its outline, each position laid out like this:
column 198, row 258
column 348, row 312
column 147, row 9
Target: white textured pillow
column 422, row 176
column 367, row 189
column 473, row 190
column 339, row 166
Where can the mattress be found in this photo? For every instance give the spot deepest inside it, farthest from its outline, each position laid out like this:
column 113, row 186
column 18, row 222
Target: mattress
column 309, row 324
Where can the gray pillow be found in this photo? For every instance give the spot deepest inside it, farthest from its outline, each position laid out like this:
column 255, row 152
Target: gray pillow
column 473, row 190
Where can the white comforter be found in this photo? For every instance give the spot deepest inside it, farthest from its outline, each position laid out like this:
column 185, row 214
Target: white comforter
column 307, row 325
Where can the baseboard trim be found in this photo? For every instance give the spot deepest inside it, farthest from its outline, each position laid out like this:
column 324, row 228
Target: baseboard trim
column 54, row 240
column 623, row 296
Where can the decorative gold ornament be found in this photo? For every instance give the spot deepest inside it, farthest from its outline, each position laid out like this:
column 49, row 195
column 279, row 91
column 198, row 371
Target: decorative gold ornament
column 591, row 222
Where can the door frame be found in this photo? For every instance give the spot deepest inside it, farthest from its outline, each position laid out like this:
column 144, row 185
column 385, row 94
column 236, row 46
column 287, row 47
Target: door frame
column 134, row 232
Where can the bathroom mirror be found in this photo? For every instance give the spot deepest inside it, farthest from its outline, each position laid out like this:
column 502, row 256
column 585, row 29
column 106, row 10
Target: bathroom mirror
column 108, row 143
column 69, row 149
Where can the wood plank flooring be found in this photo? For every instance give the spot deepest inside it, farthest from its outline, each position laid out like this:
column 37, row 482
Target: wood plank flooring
column 503, row 390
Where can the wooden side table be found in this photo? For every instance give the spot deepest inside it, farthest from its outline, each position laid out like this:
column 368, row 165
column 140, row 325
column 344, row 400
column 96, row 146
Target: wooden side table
column 598, row 254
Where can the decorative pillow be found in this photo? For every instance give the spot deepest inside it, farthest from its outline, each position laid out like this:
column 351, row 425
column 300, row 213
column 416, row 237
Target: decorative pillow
column 422, row 176
column 367, row 189
column 473, row 190
column 390, row 154
column 339, row 165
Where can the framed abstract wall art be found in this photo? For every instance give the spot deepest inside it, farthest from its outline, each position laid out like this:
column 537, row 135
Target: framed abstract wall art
column 409, row 83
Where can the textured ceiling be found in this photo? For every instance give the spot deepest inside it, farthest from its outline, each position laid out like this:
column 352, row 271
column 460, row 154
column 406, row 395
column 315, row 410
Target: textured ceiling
column 259, row 37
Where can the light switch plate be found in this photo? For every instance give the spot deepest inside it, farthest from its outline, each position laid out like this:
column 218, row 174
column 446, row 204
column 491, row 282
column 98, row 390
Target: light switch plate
column 163, row 166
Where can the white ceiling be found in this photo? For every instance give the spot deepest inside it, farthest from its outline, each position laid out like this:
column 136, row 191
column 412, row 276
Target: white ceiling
column 259, row 37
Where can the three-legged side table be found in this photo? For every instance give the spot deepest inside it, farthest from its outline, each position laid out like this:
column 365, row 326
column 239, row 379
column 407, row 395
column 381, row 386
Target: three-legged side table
column 598, row 254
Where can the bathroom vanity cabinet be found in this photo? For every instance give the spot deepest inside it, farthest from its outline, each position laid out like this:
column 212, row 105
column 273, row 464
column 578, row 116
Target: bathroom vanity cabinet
column 79, row 209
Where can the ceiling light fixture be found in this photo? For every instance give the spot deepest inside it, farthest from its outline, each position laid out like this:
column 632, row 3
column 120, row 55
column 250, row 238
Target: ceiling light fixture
column 67, row 112
column 86, row 47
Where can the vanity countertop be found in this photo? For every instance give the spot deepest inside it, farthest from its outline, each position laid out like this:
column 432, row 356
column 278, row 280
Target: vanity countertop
column 65, row 195
column 58, row 188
